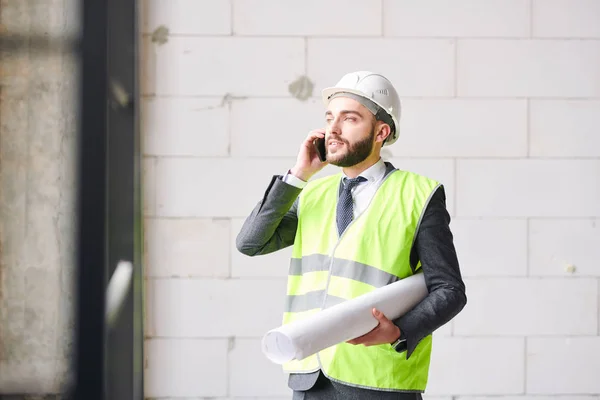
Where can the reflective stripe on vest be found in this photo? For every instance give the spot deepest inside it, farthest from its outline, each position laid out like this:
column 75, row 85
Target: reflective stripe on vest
column 308, row 278
column 374, row 251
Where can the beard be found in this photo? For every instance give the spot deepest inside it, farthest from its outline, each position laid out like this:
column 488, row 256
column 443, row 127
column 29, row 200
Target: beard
column 355, row 153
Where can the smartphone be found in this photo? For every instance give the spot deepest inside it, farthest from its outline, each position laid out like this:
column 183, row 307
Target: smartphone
column 320, row 147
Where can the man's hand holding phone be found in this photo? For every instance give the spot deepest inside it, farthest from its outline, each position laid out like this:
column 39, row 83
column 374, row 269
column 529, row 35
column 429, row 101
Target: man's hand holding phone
column 308, row 162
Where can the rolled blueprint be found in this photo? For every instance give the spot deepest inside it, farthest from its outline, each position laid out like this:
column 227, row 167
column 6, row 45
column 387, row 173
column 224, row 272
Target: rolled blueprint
column 342, row 322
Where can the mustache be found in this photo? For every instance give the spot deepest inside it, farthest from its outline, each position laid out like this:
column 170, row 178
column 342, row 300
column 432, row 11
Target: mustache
column 337, row 139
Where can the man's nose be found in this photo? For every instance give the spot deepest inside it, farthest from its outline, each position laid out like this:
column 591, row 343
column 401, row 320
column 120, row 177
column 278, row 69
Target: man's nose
column 334, row 127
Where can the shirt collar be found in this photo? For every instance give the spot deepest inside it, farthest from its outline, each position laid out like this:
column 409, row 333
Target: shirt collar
column 374, row 173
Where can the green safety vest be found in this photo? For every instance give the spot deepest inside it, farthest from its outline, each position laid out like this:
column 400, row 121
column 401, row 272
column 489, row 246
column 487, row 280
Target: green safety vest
column 374, row 251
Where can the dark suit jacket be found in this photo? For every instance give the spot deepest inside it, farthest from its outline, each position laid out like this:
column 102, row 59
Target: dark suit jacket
column 272, row 226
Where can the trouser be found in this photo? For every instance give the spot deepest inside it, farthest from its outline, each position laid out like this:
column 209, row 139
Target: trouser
column 324, row 389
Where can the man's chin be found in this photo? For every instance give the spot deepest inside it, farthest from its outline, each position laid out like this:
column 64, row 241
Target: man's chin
column 335, row 159
column 341, row 162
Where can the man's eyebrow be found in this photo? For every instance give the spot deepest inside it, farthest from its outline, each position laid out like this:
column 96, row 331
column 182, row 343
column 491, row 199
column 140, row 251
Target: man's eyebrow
column 343, row 112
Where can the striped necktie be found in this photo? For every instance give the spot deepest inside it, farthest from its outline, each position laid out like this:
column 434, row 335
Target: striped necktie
column 344, row 206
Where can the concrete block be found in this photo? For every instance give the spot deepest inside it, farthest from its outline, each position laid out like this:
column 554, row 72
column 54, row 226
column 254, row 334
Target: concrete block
column 557, row 244
column 186, row 367
column 216, row 308
column 416, row 67
column 566, row 365
column 220, row 66
column 532, row 308
column 495, row 366
column 12, row 314
column 185, row 127
column 187, row 247
column 462, row 128
column 273, row 127
column 528, row 68
column 275, row 265
column 38, row 182
column 441, row 170
column 31, row 376
column 241, row 183
column 564, row 128
column 481, row 245
column 53, row 17
column 466, row 18
column 252, row 374
column 39, row 334
column 188, row 17
column 528, row 188
column 566, row 18
column 307, row 18
column 149, row 186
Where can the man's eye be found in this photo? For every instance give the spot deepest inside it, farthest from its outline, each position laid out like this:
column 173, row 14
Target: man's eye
column 352, row 119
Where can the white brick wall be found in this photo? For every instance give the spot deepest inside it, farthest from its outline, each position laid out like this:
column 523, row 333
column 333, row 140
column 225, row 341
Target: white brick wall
column 482, row 244
column 171, row 127
column 463, row 128
column 307, row 18
column 186, row 367
column 267, row 139
column 552, row 306
column 528, row 68
column 469, row 365
column 501, row 103
column 528, row 188
column 470, row 18
column 428, row 62
column 564, row 128
column 188, row 17
column 197, row 307
column 566, row 18
column 556, row 244
column 251, row 374
column 573, row 364
column 187, row 248
column 214, row 66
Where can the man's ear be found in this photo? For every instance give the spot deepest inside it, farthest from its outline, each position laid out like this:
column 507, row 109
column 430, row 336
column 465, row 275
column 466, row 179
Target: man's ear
column 383, row 131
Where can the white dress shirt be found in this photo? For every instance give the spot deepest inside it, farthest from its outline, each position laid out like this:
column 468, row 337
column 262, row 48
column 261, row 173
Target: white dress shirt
column 361, row 193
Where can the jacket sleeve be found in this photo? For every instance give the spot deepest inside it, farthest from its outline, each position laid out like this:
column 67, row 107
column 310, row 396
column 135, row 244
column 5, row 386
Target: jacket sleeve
column 435, row 249
column 272, row 224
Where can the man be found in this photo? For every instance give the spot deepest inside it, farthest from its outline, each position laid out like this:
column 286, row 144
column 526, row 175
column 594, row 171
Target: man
column 354, row 232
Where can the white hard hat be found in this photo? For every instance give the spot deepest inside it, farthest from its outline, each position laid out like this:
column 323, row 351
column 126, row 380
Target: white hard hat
column 376, row 88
